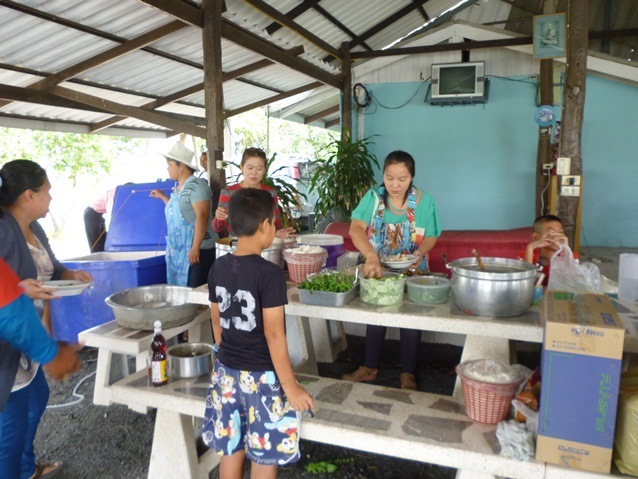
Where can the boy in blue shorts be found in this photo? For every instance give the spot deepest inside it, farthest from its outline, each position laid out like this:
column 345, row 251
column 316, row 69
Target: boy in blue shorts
column 254, row 399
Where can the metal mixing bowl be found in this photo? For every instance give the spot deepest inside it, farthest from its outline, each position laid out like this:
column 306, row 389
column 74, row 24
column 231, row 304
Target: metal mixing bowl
column 139, row 308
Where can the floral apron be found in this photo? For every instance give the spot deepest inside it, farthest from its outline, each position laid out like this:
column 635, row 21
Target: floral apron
column 396, row 238
column 178, row 242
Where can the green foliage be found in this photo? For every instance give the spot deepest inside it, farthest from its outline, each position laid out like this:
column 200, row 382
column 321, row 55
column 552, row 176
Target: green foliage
column 344, row 175
column 70, row 153
column 334, row 283
column 322, row 467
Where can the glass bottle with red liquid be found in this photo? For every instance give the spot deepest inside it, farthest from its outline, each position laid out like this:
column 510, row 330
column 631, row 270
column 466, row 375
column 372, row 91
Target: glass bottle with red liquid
column 159, row 359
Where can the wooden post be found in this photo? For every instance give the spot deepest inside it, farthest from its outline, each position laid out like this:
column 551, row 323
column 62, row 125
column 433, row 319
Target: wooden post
column 213, row 94
column 346, row 91
column 573, row 106
column 544, row 154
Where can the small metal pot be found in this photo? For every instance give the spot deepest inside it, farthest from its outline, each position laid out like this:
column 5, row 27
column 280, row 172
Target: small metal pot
column 273, row 252
column 505, row 289
column 190, row 360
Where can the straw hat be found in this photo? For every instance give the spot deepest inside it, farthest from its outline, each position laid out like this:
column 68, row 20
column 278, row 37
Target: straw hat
column 181, row 154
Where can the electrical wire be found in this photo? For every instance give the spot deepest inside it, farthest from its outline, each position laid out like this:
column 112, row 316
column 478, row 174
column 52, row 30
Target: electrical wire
column 366, row 100
column 80, row 397
column 549, row 179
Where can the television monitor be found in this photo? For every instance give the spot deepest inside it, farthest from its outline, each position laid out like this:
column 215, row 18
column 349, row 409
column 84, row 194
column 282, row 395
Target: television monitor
column 454, row 83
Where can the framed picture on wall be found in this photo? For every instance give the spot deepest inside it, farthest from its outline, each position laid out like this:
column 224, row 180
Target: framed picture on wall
column 549, row 36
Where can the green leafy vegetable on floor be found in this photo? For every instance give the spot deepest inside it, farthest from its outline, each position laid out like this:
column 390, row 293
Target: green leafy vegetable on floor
column 322, row 467
column 331, row 282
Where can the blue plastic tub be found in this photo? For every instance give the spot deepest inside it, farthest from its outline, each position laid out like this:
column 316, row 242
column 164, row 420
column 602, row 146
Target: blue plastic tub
column 112, row 272
column 134, row 256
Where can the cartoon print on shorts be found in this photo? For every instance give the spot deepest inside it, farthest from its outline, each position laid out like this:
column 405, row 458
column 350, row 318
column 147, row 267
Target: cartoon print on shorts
column 258, row 443
column 253, row 415
column 227, row 384
column 289, row 445
column 247, row 383
column 277, row 408
column 235, row 432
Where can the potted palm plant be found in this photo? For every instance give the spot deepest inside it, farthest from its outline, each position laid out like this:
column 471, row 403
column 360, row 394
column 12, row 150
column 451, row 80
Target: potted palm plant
column 343, row 176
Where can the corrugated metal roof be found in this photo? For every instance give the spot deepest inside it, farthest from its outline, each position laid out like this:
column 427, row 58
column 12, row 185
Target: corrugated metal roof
column 42, row 37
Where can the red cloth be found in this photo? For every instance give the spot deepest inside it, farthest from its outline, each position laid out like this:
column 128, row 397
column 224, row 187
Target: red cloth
column 224, row 199
column 10, row 288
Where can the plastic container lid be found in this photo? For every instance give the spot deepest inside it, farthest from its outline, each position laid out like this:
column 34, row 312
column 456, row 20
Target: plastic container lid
column 320, row 240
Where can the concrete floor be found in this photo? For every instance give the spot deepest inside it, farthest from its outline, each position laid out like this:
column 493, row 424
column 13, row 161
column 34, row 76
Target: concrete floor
column 605, row 258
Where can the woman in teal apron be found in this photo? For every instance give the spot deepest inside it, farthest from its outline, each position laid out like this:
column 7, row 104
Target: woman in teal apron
column 190, row 240
column 393, row 219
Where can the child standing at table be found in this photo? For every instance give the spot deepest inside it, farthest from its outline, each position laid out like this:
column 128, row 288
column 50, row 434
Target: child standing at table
column 252, row 404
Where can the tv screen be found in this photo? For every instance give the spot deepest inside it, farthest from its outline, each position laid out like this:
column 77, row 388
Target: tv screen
column 454, row 83
column 460, row 80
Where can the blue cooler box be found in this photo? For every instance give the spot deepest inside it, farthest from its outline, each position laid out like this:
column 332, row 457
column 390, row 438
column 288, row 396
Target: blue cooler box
column 135, row 256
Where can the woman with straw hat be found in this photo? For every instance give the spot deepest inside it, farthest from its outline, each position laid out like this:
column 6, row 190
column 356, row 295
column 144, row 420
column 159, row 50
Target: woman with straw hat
column 190, row 242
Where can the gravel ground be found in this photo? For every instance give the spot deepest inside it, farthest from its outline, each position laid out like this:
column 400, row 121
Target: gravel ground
column 115, row 443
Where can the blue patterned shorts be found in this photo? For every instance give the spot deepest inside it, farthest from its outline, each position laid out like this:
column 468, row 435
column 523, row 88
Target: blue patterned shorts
column 248, row 410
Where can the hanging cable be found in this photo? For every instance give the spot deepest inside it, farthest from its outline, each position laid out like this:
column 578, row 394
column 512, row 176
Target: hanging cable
column 80, row 397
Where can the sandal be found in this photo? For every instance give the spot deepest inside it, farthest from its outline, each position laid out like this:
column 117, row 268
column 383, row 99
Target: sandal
column 408, row 381
column 361, row 374
column 41, row 470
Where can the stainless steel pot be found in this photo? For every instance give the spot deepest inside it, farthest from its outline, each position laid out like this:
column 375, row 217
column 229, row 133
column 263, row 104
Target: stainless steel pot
column 272, row 253
column 139, row 308
column 190, row 360
column 505, row 289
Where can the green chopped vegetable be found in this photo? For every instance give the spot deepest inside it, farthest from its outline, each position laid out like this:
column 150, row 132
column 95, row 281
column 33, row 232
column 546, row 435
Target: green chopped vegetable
column 330, row 282
column 383, row 291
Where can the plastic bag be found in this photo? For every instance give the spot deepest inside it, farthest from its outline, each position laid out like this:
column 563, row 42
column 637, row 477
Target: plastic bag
column 567, row 275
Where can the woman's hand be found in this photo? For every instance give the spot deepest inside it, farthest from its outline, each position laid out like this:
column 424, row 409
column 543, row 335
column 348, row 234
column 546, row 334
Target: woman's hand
column 34, row 289
column 193, row 255
column 372, row 267
column 159, row 194
column 77, row 275
column 221, row 213
column 419, row 258
column 286, row 232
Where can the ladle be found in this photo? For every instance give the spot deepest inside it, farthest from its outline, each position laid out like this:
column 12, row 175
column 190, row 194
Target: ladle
column 478, row 258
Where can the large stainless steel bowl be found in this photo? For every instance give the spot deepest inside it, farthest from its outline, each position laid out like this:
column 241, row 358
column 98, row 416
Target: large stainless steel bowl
column 139, row 308
column 504, row 289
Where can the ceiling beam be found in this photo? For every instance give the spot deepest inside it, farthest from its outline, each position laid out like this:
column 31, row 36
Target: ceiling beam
column 183, row 93
column 233, row 33
column 294, row 26
column 293, row 13
column 444, row 47
column 321, row 114
column 107, row 56
column 166, row 120
column 272, row 99
column 419, row 7
column 14, row 93
column 328, row 16
column 92, row 31
column 331, row 123
column 399, row 14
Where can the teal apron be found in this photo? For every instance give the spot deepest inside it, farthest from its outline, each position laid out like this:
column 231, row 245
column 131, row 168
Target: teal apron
column 397, row 238
column 178, row 242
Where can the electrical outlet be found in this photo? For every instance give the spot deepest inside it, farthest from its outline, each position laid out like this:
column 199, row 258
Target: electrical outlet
column 563, row 165
column 548, row 166
column 570, row 191
column 533, row 77
column 568, row 180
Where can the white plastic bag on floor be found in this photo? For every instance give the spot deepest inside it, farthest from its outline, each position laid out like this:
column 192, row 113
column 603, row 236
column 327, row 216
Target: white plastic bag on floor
column 515, row 440
column 566, row 274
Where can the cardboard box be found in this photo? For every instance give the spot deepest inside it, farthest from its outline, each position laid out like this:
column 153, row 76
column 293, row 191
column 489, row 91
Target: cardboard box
column 581, row 365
